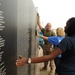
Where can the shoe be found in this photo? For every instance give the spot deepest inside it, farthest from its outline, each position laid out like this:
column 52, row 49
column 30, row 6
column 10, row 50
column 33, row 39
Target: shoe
column 44, row 68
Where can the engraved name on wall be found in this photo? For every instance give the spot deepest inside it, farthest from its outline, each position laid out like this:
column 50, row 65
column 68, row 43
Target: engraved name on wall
column 2, row 43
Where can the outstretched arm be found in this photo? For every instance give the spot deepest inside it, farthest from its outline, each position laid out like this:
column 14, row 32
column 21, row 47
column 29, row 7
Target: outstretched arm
column 22, row 61
column 43, row 37
column 39, row 22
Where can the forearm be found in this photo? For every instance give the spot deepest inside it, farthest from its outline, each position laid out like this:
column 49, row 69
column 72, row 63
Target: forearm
column 41, row 59
column 22, row 61
column 43, row 37
column 45, row 58
column 39, row 23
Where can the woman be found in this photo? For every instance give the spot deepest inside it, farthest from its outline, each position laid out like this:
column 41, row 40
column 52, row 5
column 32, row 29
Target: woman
column 66, row 47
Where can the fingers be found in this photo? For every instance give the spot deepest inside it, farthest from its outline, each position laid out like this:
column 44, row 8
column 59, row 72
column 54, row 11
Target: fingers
column 38, row 14
column 36, row 32
column 20, row 56
column 17, row 63
column 20, row 62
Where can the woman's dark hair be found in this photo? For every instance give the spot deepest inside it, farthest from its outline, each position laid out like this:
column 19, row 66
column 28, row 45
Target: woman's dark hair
column 71, row 26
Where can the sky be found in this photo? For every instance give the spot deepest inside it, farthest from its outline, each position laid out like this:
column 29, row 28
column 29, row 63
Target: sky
column 57, row 12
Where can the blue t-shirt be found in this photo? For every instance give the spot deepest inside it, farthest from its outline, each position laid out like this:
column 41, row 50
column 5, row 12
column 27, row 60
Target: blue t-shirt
column 66, row 65
column 55, row 40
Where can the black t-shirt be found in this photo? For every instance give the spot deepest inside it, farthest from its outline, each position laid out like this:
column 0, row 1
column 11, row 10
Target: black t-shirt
column 66, row 65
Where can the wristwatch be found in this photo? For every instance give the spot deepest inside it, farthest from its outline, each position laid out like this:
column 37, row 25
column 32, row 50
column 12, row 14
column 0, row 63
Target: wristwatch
column 29, row 60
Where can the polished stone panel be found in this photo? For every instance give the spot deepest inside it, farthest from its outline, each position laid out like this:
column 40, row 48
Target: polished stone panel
column 18, row 22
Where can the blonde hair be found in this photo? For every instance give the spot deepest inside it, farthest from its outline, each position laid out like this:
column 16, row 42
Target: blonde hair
column 60, row 31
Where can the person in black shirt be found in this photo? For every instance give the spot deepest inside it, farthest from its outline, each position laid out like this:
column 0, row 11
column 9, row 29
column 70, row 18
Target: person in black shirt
column 66, row 47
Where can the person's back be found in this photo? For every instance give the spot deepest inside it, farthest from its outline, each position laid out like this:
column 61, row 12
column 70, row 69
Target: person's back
column 41, row 42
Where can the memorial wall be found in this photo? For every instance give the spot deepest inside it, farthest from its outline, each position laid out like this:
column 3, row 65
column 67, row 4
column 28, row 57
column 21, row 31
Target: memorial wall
column 18, row 22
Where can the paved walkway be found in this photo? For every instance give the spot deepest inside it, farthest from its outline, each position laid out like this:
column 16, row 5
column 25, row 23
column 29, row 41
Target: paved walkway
column 40, row 65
